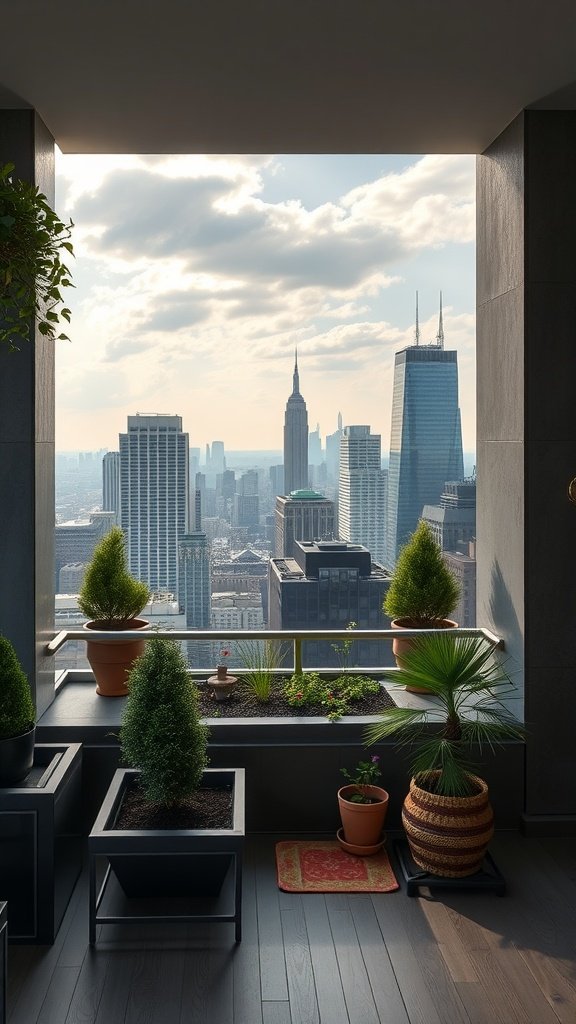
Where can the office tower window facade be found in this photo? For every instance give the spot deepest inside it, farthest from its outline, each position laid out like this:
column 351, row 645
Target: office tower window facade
column 453, row 520
column 111, row 483
column 362, row 491
column 75, row 542
column 327, row 585
column 302, row 515
column 425, row 438
column 295, row 438
column 154, row 497
column 333, row 453
column 194, row 592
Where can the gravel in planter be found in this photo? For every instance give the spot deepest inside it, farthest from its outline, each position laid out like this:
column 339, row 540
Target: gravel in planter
column 243, row 704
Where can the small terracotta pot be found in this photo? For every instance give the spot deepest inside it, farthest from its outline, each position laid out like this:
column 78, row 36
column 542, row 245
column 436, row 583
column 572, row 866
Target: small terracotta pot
column 363, row 823
column 221, row 671
column 400, row 647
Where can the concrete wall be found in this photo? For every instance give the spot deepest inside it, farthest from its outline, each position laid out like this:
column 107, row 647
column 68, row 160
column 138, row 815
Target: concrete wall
column 526, row 293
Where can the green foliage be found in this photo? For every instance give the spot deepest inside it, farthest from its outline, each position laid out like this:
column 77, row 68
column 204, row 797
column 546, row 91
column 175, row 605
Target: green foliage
column 423, row 589
column 344, row 647
column 17, row 712
column 161, row 732
column 366, row 773
column 309, row 689
column 470, row 686
column 32, row 274
column 109, row 595
column 261, row 660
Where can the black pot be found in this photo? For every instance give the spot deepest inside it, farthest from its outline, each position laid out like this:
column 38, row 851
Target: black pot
column 17, row 758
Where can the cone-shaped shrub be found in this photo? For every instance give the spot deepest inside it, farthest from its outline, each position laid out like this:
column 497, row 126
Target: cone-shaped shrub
column 161, row 732
column 17, row 712
column 423, row 589
column 109, row 595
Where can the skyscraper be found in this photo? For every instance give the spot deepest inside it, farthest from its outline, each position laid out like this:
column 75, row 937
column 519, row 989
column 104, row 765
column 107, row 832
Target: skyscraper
column 194, row 592
column 295, row 438
column 362, row 491
column 111, row 483
column 303, row 515
column 154, row 497
column 425, row 437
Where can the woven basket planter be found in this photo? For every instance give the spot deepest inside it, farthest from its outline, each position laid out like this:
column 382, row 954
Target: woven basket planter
column 448, row 836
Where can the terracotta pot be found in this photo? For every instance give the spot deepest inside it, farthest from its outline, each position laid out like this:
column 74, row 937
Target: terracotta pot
column 399, row 646
column 111, row 661
column 221, row 671
column 448, row 835
column 363, row 823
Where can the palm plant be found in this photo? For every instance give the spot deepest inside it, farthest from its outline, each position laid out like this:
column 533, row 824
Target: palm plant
column 470, row 686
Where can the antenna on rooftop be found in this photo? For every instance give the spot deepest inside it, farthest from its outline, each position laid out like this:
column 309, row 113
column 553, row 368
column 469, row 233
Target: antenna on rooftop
column 440, row 335
column 417, row 328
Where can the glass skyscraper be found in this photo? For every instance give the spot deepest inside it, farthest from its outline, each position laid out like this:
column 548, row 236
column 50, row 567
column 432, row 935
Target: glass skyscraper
column 425, row 438
column 154, row 500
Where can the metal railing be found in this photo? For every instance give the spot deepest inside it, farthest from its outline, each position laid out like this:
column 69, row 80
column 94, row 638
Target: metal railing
column 296, row 636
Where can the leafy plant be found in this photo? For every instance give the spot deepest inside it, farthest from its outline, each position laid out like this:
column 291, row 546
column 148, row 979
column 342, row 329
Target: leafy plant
column 109, row 595
column 365, row 774
column 336, row 696
column 423, row 589
column 17, row 713
column 32, row 273
column 470, row 686
column 260, row 662
column 343, row 648
column 161, row 732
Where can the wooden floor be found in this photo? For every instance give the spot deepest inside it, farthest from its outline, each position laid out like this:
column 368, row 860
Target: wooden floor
column 470, row 958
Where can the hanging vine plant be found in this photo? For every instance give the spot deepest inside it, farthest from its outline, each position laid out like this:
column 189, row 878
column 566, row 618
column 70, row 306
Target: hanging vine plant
column 33, row 241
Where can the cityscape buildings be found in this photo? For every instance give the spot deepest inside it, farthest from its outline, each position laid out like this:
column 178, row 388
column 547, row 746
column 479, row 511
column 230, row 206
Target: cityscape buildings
column 295, row 438
column 154, row 497
column 327, row 585
column 463, row 565
column 453, row 520
column 425, row 436
column 333, row 453
column 75, row 542
column 302, row 515
column 111, row 483
column 362, row 491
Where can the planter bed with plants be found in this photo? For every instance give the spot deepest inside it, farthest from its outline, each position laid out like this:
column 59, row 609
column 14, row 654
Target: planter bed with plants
column 309, row 696
column 170, row 829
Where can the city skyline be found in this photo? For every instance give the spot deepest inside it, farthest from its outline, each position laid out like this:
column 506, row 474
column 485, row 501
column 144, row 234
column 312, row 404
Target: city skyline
column 196, row 277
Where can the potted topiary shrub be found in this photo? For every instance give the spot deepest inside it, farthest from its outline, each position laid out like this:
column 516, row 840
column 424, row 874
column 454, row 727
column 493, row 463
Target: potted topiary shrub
column 32, row 242
column 17, row 718
column 169, row 825
column 112, row 600
column 423, row 590
column 447, row 815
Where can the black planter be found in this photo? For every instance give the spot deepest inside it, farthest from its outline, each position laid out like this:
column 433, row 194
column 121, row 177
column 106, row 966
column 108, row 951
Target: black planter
column 41, row 842
column 164, row 864
column 16, row 758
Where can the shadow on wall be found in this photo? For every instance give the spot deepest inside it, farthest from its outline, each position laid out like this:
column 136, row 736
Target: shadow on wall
column 506, row 624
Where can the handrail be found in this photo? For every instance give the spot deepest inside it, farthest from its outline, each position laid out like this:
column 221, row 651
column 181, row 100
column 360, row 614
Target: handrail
column 297, row 636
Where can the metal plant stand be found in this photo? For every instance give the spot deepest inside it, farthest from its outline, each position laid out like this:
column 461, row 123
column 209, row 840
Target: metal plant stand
column 415, row 877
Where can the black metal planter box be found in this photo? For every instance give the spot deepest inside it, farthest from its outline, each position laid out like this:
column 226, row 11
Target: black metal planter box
column 41, row 842
column 193, row 861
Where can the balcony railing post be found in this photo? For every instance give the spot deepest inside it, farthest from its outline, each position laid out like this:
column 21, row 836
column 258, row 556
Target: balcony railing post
column 297, row 656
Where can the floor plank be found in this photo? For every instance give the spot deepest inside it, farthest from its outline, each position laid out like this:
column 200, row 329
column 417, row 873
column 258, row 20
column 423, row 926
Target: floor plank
column 329, row 992
column 385, row 990
column 272, row 961
column 355, row 983
column 246, row 962
column 276, row 1013
column 300, row 977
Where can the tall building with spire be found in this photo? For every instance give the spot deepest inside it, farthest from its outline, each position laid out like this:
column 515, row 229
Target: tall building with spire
column 295, row 438
column 425, row 436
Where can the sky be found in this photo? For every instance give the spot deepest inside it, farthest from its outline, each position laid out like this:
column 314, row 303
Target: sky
column 196, row 277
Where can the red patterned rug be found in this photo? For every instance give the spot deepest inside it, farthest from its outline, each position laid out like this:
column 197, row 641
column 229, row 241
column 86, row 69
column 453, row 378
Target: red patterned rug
column 323, row 866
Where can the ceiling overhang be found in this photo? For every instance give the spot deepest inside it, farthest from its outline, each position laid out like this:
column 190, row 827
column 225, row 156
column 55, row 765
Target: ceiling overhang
column 322, row 76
